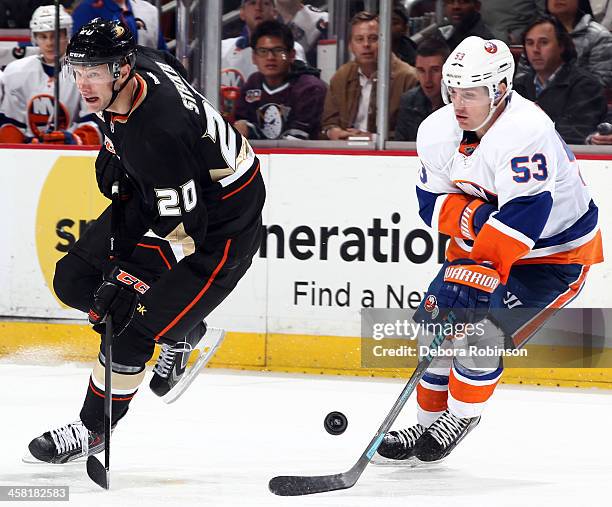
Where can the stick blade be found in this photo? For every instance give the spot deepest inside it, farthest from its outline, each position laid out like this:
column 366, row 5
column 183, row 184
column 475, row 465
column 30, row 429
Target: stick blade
column 98, row 473
column 292, row 485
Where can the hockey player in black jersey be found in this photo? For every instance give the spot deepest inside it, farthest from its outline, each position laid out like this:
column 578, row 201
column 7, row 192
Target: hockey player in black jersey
column 187, row 176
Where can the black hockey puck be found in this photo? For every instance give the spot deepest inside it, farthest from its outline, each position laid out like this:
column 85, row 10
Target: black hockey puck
column 335, row 423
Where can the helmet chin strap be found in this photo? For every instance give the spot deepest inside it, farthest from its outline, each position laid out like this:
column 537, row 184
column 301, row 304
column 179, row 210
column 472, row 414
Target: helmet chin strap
column 492, row 110
column 116, row 93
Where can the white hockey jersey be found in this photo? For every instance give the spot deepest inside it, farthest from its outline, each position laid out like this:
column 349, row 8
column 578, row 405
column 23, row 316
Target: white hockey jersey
column 307, row 26
column 236, row 67
column 28, row 98
column 523, row 168
column 147, row 20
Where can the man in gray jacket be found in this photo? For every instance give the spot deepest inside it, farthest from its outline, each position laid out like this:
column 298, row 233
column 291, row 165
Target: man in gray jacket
column 593, row 41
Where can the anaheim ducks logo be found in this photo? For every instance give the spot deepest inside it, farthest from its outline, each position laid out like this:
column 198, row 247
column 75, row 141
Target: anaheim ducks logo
column 40, row 111
column 490, row 47
column 118, row 31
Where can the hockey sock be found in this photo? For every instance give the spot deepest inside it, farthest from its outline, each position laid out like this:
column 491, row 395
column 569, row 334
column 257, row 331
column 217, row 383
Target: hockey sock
column 432, row 395
column 125, row 382
column 469, row 390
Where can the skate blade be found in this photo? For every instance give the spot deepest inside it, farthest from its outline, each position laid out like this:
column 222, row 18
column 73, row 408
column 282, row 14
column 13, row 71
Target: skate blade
column 207, row 347
column 381, row 461
column 412, row 462
column 31, row 460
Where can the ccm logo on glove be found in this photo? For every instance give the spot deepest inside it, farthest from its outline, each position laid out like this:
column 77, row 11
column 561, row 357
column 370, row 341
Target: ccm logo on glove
column 138, row 285
column 477, row 276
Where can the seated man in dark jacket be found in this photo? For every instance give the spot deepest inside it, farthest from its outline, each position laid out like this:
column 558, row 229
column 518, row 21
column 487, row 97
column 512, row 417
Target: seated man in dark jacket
column 284, row 99
column 572, row 98
column 418, row 103
column 401, row 45
column 465, row 19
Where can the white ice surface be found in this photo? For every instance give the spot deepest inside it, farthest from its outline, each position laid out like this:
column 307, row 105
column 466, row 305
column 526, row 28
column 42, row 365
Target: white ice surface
column 231, row 432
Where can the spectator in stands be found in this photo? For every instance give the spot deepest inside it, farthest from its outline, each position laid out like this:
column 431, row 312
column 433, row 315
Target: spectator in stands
column 27, row 109
column 607, row 16
column 465, row 19
column 418, row 103
column 284, row 99
column 593, row 41
column 308, row 24
column 140, row 16
column 571, row 96
column 237, row 56
column 401, row 45
column 350, row 104
column 508, row 20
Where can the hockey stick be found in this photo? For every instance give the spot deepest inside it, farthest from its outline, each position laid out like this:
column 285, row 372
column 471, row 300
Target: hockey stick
column 292, row 485
column 98, row 473
column 56, row 89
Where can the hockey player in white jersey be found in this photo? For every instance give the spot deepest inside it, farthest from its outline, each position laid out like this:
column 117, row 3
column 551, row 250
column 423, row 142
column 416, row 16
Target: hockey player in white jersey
column 307, row 23
column 500, row 181
column 27, row 108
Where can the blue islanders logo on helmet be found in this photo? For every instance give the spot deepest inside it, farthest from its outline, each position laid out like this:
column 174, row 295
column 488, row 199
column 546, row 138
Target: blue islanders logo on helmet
column 490, row 47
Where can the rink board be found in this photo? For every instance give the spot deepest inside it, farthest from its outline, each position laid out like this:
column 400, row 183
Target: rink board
column 342, row 232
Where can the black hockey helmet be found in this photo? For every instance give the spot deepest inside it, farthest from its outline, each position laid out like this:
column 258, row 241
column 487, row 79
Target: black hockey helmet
column 102, row 41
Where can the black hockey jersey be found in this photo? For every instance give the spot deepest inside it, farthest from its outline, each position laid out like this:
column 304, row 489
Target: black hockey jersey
column 197, row 177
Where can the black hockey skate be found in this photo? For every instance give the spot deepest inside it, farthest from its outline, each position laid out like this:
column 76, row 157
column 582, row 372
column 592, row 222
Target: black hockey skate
column 65, row 444
column 400, row 444
column 170, row 374
column 170, row 367
column 443, row 436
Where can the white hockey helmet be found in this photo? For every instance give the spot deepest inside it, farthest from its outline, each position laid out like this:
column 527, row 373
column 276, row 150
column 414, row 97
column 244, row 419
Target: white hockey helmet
column 478, row 62
column 43, row 20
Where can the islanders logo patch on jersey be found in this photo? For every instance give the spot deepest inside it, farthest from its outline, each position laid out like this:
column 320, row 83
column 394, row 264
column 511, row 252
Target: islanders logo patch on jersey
column 490, row 47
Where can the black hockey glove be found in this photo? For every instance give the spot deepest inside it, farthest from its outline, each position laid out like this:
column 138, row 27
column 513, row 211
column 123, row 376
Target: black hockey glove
column 108, row 170
column 117, row 296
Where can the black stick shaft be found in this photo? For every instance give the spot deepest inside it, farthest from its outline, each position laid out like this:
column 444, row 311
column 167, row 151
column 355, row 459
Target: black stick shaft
column 98, row 473
column 108, row 394
column 108, row 339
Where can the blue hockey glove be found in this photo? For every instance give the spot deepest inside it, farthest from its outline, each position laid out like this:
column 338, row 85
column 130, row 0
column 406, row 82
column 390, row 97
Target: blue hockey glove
column 467, row 290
